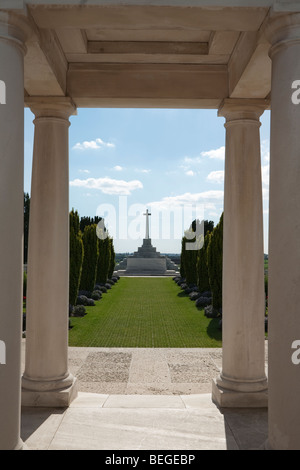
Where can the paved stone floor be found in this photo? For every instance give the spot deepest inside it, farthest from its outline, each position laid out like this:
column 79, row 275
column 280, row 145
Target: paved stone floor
column 143, row 399
column 145, row 371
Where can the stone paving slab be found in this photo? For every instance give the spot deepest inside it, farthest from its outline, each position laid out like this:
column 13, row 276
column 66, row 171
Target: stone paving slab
column 143, row 399
column 171, row 371
column 143, row 422
column 144, row 371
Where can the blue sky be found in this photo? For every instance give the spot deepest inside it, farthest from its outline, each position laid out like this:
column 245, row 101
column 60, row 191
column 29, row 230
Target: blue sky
column 123, row 161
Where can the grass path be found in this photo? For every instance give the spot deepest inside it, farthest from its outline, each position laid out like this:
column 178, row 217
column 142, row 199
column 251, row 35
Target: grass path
column 145, row 312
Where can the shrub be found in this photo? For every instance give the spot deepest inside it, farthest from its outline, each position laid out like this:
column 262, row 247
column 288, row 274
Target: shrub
column 90, row 303
column 188, row 290
column 102, row 289
column 211, row 312
column 203, row 302
column 96, row 295
column 194, row 295
column 81, row 300
column 108, row 286
column 79, row 311
column 86, row 293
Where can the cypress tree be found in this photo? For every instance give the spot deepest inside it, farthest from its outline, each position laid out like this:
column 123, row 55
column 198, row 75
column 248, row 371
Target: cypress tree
column 90, row 259
column 182, row 258
column 112, row 259
column 104, row 258
column 188, row 263
column 76, row 257
column 202, row 268
column 26, row 224
column 215, row 263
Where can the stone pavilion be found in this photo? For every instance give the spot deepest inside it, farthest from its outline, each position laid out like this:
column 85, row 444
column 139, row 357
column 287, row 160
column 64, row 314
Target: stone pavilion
column 238, row 57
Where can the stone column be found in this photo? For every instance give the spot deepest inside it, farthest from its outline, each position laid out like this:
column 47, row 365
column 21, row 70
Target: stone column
column 284, row 236
column 46, row 380
column 12, row 38
column 242, row 382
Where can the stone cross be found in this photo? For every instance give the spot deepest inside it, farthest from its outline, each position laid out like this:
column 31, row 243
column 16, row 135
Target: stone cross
column 147, row 224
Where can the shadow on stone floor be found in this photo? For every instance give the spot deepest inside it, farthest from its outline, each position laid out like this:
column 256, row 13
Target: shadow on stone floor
column 249, row 426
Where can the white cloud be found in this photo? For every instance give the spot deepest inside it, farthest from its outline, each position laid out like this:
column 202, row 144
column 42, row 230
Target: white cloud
column 216, row 177
column 143, row 170
column 191, row 161
column 218, row 154
column 118, row 168
column 265, row 176
column 93, row 145
column 208, row 198
column 108, row 186
column 84, row 171
column 190, row 173
column 265, row 151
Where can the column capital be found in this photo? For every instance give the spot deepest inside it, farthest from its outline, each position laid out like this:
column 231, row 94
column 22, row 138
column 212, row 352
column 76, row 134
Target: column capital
column 14, row 28
column 51, row 107
column 283, row 29
column 242, row 109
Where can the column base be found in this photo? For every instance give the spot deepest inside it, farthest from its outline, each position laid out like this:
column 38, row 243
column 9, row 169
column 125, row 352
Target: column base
column 50, row 398
column 267, row 445
column 20, row 445
column 225, row 398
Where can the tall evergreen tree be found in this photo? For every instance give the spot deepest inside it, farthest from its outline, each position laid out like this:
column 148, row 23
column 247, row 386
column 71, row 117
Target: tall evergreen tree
column 76, row 257
column 112, row 262
column 189, row 257
column 104, row 259
column 26, row 225
column 90, row 259
column 202, row 268
column 215, row 263
column 85, row 221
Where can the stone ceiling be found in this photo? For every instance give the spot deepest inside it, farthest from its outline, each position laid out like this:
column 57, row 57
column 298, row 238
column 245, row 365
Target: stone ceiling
column 147, row 55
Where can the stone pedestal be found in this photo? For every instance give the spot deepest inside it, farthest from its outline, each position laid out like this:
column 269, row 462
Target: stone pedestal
column 242, row 382
column 146, row 261
column 46, row 380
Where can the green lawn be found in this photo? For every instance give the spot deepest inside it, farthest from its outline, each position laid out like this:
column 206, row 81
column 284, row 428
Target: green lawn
column 145, row 312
